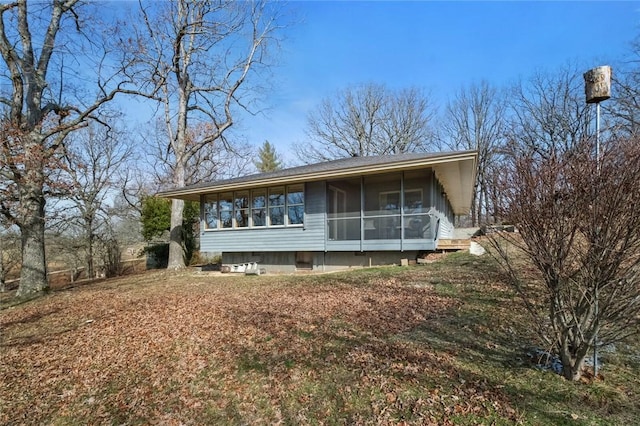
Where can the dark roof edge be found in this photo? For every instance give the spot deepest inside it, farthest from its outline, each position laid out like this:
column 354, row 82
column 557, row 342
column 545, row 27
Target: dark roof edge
column 340, row 167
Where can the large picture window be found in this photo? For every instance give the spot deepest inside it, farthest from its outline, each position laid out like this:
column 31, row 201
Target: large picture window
column 277, row 206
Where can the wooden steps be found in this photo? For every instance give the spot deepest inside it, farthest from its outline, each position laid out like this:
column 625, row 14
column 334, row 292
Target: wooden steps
column 453, row 244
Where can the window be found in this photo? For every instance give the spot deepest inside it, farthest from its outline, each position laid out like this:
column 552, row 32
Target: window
column 241, row 209
column 225, row 206
column 259, row 208
column 304, row 260
column 276, row 206
column 295, row 205
column 211, row 212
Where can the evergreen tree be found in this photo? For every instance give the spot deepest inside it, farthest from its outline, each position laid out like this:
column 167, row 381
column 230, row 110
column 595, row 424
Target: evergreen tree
column 268, row 160
column 156, row 220
column 155, row 217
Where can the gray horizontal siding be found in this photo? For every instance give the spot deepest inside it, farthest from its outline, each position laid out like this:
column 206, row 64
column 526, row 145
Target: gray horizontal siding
column 267, row 239
column 311, row 237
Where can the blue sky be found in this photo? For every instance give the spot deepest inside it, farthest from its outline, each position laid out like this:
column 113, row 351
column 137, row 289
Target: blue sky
column 440, row 46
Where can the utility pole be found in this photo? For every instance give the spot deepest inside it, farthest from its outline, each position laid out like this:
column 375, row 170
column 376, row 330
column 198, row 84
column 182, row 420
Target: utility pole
column 597, row 89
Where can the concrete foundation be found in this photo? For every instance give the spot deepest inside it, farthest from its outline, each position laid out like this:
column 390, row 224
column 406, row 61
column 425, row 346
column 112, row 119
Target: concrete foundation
column 289, row 262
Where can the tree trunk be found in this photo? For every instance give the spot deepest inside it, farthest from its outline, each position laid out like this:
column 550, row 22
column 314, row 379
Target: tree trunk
column 3, row 287
column 89, row 258
column 176, row 243
column 176, row 246
column 90, row 269
column 33, row 274
column 176, row 250
column 571, row 365
column 480, row 206
column 474, row 208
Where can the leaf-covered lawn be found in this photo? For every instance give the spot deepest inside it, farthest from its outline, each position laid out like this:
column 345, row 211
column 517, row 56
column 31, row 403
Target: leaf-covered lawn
column 443, row 343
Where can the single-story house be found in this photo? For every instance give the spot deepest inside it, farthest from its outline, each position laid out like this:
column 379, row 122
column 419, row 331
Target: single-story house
column 332, row 215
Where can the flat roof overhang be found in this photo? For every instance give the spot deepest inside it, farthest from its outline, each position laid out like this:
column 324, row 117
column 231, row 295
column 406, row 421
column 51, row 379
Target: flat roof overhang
column 456, row 172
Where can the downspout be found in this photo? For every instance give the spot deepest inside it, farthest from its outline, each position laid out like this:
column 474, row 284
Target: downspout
column 402, row 212
column 326, row 220
column 362, row 214
column 202, row 218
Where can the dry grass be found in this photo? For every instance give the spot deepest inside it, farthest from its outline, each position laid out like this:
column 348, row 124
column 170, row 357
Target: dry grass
column 436, row 344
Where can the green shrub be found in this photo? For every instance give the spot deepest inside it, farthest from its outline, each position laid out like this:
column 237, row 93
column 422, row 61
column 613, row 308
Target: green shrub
column 157, row 255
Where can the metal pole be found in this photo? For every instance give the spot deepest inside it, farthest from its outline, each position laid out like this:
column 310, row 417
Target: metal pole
column 598, row 138
column 595, row 295
column 597, row 89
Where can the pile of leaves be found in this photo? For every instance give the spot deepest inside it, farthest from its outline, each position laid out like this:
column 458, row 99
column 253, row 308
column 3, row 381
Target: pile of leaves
column 434, row 344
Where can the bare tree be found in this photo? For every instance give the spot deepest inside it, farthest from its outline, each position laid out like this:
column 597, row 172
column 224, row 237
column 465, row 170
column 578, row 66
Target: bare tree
column 197, row 60
column 622, row 111
column 96, row 157
column 475, row 119
column 578, row 225
column 406, row 122
column 368, row 120
column 212, row 161
column 41, row 112
column 548, row 112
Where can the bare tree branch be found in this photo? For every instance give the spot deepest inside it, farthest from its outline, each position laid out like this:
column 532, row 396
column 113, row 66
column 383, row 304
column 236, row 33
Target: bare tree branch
column 580, row 229
column 476, row 120
column 368, row 120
